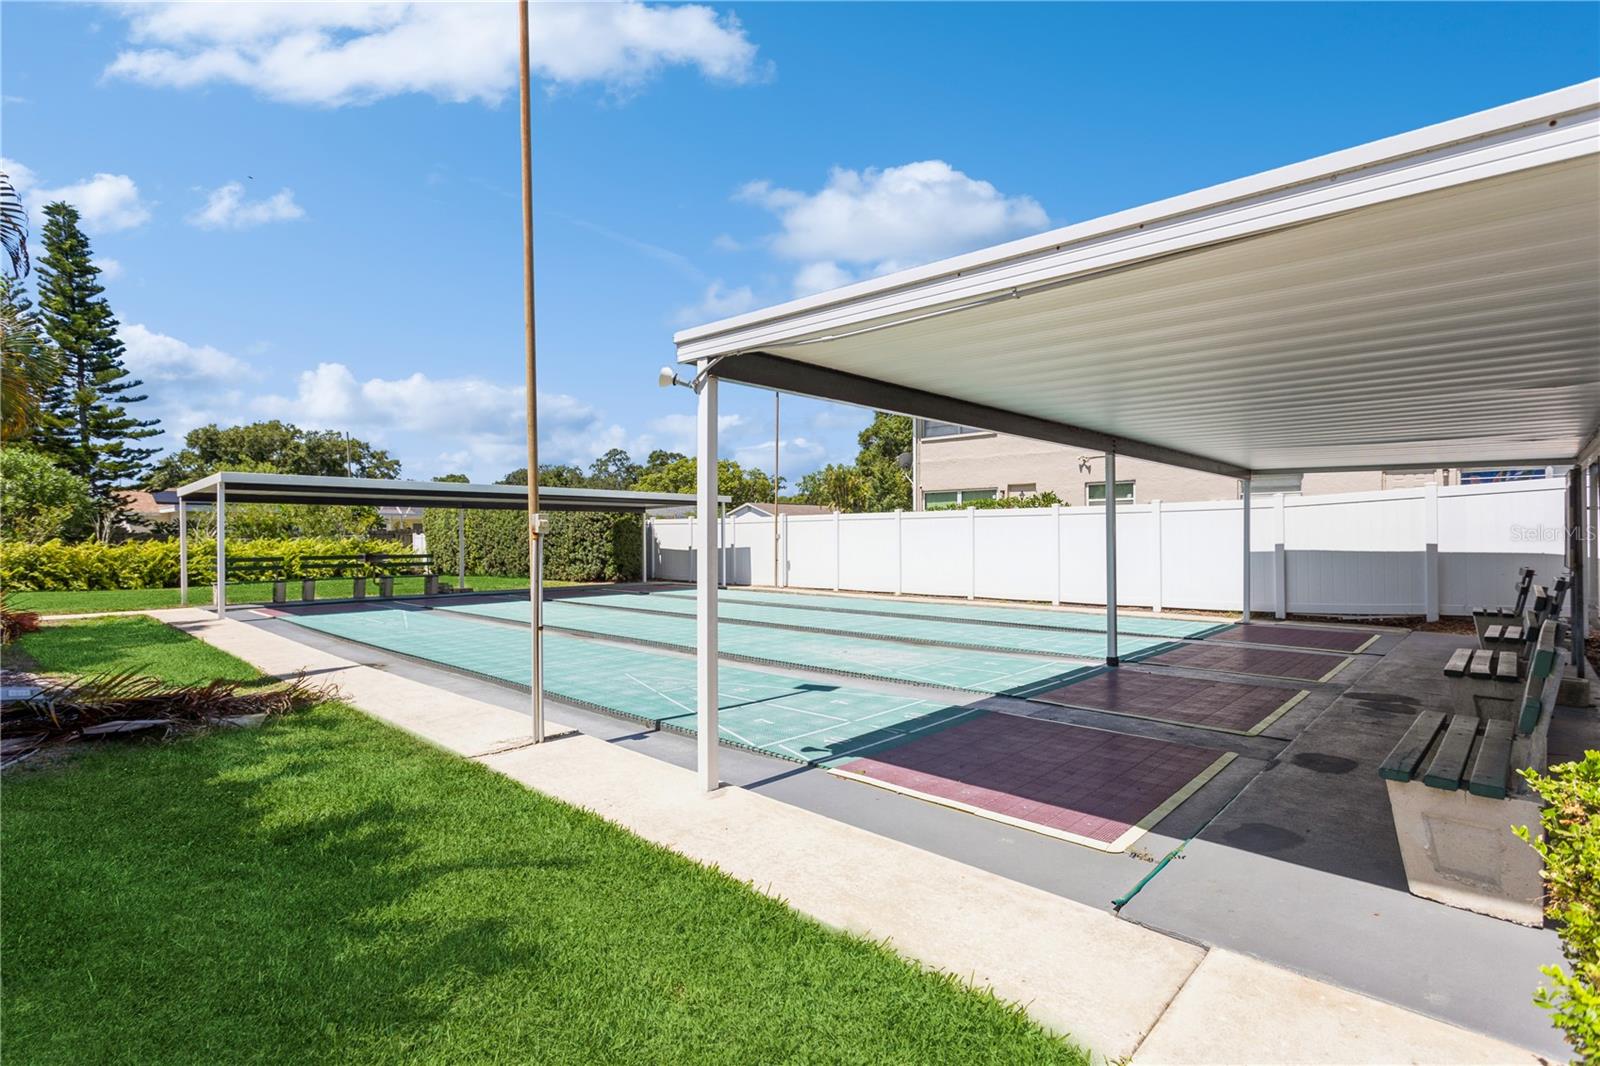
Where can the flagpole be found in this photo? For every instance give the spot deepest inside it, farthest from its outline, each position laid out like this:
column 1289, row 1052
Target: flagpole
column 535, row 554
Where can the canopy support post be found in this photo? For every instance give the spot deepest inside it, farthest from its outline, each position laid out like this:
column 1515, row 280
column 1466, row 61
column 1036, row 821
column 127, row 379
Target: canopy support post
column 1244, row 498
column 183, row 551
column 1577, row 561
column 707, row 572
column 1111, row 558
column 222, row 550
column 461, row 549
column 644, row 548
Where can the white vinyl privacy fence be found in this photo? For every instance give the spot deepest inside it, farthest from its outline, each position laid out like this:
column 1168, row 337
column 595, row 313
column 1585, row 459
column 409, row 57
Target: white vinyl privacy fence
column 1403, row 551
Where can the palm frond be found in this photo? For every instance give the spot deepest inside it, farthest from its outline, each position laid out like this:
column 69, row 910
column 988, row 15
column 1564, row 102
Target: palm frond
column 14, row 226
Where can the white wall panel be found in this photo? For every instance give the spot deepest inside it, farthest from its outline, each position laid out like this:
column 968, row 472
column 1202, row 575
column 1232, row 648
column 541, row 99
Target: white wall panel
column 1355, row 553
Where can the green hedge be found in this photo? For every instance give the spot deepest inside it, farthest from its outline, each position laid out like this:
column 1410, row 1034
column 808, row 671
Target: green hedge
column 578, row 546
column 150, row 564
column 1570, row 848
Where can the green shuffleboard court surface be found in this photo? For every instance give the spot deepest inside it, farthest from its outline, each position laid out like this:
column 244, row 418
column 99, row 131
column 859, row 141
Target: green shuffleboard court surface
column 787, row 717
column 1042, row 618
column 952, row 632
column 970, row 670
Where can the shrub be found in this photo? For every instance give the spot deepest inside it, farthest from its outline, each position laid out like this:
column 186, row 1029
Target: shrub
column 1004, row 503
column 1571, row 853
column 149, row 564
column 578, row 546
column 39, row 501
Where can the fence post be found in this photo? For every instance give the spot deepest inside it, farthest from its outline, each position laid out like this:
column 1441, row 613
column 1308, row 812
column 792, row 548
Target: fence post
column 782, row 580
column 838, row 559
column 1155, row 516
column 1430, row 551
column 1280, row 559
column 1055, row 529
column 899, row 553
column 972, row 552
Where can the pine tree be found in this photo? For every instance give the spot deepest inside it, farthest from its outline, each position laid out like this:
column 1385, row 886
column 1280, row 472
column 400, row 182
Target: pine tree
column 88, row 429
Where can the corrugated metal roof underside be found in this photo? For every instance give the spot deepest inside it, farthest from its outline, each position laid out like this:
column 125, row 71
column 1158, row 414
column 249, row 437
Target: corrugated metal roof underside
column 1456, row 326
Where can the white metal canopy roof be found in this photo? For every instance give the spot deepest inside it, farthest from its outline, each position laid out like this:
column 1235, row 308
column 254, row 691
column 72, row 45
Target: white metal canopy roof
column 1430, row 299
column 241, row 487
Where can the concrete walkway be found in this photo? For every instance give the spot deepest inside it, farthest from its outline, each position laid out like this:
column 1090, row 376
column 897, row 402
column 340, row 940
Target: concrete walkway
column 1123, row 990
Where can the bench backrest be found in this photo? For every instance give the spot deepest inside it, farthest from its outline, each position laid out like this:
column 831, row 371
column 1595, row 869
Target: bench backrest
column 401, row 562
column 1524, row 584
column 314, row 566
column 1538, row 694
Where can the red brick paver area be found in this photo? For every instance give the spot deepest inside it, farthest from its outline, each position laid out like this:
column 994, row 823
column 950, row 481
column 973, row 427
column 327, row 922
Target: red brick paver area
column 1297, row 637
column 1225, row 705
column 1090, row 784
column 1265, row 662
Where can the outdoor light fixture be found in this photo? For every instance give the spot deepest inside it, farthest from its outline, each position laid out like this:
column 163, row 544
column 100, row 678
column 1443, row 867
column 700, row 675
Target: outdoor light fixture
column 668, row 377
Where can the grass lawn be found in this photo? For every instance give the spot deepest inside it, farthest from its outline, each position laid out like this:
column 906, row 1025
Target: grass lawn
column 76, row 602
column 327, row 888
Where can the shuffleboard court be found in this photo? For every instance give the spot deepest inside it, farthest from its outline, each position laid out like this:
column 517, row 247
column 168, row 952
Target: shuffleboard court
column 788, row 717
column 1225, row 706
column 1090, row 786
column 1035, row 617
column 984, row 672
column 949, row 632
column 1325, row 638
column 1249, row 659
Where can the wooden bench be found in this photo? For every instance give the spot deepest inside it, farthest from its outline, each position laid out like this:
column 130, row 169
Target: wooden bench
column 1484, row 617
column 313, row 568
column 250, row 569
column 1454, row 795
column 407, row 564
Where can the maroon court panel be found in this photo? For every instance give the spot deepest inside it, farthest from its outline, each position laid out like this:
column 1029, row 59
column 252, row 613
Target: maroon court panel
column 1101, row 788
column 1265, row 662
column 1297, row 637
column 1225, row 705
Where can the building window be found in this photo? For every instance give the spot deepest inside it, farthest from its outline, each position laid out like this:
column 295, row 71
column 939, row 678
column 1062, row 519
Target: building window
column 959, row 496
column 1516, row 473
column 931, row 428
column 1096, row 492
column 1022, row 490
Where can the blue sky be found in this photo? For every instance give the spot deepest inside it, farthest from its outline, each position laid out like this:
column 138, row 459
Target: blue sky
column 311, row 212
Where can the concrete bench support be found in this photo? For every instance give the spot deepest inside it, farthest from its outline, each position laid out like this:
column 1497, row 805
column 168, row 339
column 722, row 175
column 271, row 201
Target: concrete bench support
column 1458, row 849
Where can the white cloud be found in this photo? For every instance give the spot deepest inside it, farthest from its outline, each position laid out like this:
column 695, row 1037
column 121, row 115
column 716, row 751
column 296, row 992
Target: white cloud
column 800, row 454
column 106, row 202
column 337, row 54
column 719, row 301
column 873, row 221
column 676, row 432
column 226, row 208
column 110, row 269
column 153, row 356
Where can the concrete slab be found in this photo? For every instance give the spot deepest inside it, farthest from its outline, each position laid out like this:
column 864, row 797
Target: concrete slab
column 1304, row 869
column 1235, row 1009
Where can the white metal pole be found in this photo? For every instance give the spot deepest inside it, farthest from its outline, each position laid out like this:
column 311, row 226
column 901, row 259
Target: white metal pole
column 183, row 551
column 706, row 588
column 1055, row 535
column 644, row 548
column 222, row 551
column 916, row 464
column 461, row 549
column 722, row 545
column 1111, row 558
column 1244, row 497
column 777, row 460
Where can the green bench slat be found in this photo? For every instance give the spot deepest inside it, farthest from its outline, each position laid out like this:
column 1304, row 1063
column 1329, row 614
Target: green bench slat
column 1492, row 766
column 1449, row 762
column 1402, row 761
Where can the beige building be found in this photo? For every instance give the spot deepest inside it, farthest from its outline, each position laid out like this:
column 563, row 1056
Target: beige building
column 956, row 464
